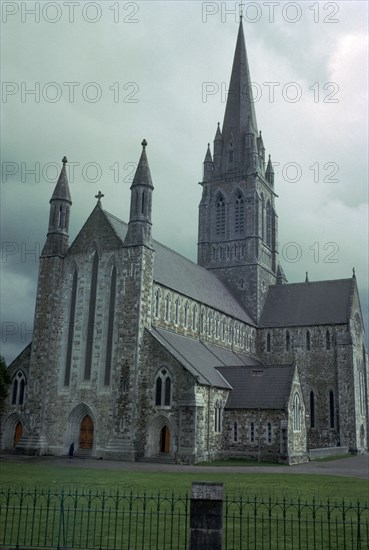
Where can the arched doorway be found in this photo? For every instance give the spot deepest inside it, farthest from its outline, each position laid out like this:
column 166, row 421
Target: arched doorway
column 18, row 432
column 86, row 433
column 164, row 444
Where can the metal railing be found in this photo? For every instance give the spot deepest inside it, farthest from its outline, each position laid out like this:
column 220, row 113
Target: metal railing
column 116, row 519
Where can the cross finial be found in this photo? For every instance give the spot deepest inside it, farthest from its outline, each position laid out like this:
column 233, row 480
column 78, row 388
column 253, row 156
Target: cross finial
column 64, row 160
column 144, row 143
column 241, row 10
column 99, row 197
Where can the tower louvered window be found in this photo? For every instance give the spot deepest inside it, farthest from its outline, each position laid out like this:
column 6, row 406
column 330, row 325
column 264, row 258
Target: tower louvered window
column 239, row 215
column 268, row 224
column 220, row 216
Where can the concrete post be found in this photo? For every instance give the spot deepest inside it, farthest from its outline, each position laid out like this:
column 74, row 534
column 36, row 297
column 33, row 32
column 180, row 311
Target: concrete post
column 206, row 516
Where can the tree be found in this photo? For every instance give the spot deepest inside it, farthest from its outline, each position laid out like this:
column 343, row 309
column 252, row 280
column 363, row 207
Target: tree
column 5, row 381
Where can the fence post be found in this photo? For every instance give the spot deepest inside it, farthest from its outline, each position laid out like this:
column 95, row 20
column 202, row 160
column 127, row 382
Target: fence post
column 206, row 516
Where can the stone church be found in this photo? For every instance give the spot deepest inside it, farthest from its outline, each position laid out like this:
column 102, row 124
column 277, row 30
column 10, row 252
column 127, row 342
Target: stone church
column 139, row 353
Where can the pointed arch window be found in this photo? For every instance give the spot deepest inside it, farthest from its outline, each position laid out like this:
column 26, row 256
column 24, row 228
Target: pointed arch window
column 217, row 326
column 268, row 224
column 296, row 413
column 262, row 217
column 91, row 318
column 268, row 343
column 177, row 312
column 308, row 343
column 18, row 389
column 72, row 314
column 252, row 432
column 327, row 340
column 163, row 389
column 218, row 417
column 194, row 316
column 269, row 432
column 235, row 432
column 312, row 410
column 209, row 323
column 331, row 410
column 186, row 309
column 288, row 340
column 110, row 331
column 220, row 216
column 239, row 215
column 202, row 320
column 167, row 307
column 157, row 302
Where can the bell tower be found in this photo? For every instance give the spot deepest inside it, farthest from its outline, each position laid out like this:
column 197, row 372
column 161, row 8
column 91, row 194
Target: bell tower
column 238, row 232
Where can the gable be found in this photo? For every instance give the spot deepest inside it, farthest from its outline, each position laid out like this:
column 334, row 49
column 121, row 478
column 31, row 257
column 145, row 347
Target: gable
column 96, row 229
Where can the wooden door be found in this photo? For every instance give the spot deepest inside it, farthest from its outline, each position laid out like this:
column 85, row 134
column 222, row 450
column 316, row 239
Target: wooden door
column 165, row 440
column 18, row 432
column 86, row 433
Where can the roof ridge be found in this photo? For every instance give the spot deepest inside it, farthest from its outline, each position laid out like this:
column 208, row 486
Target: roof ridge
column 303, row 283
column 194, row 264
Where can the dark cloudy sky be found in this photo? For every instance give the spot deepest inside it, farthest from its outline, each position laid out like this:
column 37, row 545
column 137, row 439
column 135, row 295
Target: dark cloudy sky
column 106, row 75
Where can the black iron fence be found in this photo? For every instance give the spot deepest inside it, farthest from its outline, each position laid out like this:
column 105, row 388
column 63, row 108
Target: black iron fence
column 112, row 520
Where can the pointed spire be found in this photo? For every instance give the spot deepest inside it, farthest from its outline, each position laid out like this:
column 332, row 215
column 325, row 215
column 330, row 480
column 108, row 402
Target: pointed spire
column 208, row 157
column 218, row 133
column 61, row 191
column 239, row 117
column 269, row 172
column 143, row 175
column 139, row 227
column 307, row 277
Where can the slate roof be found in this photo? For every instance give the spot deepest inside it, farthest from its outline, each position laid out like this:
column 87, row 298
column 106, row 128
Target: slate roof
column 180, row 274
column 301, row 304
column 258, row 387
column 201, row 359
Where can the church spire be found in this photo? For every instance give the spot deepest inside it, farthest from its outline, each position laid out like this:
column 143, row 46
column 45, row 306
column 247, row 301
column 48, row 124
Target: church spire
column 240, row 117
column 139, row 227
column 60, row 203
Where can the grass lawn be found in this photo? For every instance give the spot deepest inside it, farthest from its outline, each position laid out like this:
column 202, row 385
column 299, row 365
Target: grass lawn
column 261, row 485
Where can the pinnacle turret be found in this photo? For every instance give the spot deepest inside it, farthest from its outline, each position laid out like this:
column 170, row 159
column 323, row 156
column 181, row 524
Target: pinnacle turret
column 269, row 172
column 139, row 227
column 60, row 203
